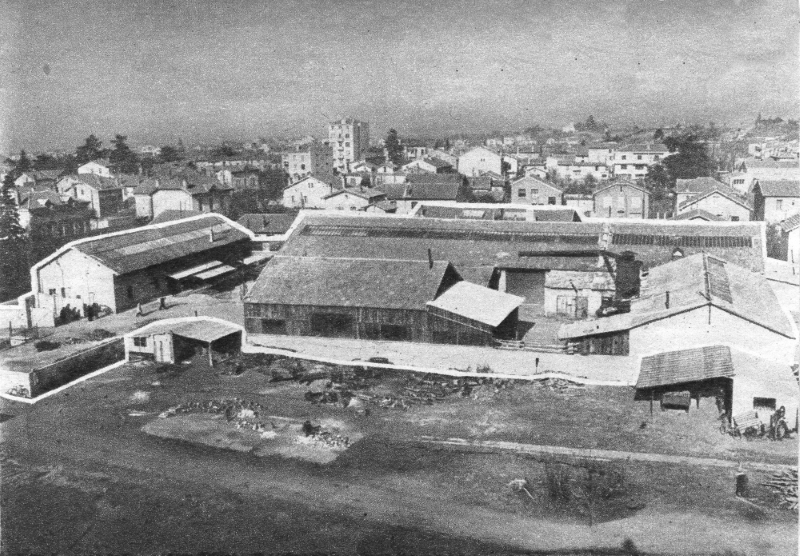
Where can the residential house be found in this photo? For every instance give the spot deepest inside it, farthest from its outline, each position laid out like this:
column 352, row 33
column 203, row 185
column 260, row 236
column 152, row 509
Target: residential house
column 349, row 139
column 536, row 192
column 121, row 269
column 710, row 196
column 601, row 154
column 246, row 178
column 775, row 200
column 621, row 200
column 791, row 229
column 427, row 165
column 579, row 171
column 191, row 191
column 694, row 301
column 312, row 159
column 44, row 214
column 104, row 194
column 486, row 185
column 309, row 192
column 353, row 198
column 632, row 161
column 428, row 301
column 100, row 167
column 149, row 150
column 479, row 160
column 450, row 188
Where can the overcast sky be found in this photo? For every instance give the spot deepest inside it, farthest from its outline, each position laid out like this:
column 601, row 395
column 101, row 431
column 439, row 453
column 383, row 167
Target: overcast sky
column 203, row 70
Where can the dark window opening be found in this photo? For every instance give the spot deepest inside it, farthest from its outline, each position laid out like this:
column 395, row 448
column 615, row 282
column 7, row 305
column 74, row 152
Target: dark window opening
column 390, row 332
column 140, row 342
column 332, row 324
column 273, row 326
column 764, row 403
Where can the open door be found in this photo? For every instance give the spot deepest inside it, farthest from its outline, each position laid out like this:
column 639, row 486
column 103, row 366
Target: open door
column 163, row 351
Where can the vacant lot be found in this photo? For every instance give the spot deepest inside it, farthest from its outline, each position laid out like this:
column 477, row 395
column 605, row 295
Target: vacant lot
column 384, row 493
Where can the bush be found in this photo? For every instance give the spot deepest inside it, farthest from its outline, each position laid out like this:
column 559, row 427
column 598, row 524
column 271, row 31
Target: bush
column 20, row 392
column 46, row 345
column 101, row 334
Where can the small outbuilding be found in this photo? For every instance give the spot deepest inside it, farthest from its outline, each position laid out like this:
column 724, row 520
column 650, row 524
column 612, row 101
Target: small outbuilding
column 174, row 340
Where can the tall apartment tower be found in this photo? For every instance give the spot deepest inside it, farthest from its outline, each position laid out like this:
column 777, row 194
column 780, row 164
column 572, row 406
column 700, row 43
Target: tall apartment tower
column 349, row 139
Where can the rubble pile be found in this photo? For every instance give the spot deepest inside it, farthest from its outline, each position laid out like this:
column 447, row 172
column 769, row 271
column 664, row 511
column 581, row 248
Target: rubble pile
column 558, row 384
column 784, row 484
column 243, row 414
column 328, row 438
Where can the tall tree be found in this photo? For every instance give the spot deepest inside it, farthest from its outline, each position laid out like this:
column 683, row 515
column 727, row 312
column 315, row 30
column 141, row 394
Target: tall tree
column 23, row 164
column 690, row 159
column 14, row 278
column 122, row 157
column 91, row 149
column 394, row 151
column 169, row 154
column 658, row 135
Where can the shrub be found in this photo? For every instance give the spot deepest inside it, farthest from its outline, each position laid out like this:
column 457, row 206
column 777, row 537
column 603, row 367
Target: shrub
column 101, row 334
column 483, row 369
column 46, row 345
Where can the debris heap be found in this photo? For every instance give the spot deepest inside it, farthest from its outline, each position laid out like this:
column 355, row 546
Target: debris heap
column 784, row 484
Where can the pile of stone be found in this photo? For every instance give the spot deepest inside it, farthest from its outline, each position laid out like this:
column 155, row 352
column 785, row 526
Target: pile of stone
column 241, row 413
column 784, row 484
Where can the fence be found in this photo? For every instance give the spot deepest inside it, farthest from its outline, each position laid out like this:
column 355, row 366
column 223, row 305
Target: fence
column 74, row 366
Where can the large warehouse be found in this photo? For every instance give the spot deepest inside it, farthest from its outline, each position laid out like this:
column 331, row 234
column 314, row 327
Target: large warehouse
column 377, row 299
column 563, row 268
column 120, row 270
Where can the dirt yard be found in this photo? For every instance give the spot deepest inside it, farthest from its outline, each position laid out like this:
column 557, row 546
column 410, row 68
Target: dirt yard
column 228, row 466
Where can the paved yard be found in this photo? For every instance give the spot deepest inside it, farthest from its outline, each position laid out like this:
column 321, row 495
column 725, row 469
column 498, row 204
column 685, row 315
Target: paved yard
column 604, row 369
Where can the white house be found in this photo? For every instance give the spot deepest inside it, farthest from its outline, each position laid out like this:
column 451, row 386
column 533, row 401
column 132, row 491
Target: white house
column 97, row 167
column 633, row 160
column 711, row 196
column 480, row 160
column 309, row 192
column 535, row 191
column 353, row 198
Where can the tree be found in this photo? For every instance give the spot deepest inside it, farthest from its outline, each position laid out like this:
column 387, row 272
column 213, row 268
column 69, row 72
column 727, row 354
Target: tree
column 658, row 135
column 91, row 149
column 14, row 278
column 23, row 164
column 690, row 159
column 122, row 158
column 169, row 154
column 394, row 151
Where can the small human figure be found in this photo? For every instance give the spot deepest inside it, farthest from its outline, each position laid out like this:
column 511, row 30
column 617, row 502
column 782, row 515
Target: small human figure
column 162, row 304
column 139, row 311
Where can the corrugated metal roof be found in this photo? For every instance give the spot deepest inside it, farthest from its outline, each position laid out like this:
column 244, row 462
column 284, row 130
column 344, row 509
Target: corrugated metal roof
column 730, row 288
column 151, row 245
column 477, row 303
column 348, row 282
column 688, row 365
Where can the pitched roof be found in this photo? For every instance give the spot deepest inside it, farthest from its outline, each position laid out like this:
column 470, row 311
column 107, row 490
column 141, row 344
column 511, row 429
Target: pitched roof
column 724, row 191
column 368, row 193
column 643, row 148
column 480, row 183
column 698, row 214
column 621, row 184
column 697, row 185
column 97, row 182
column 791, row 223
column 755, row 164
column 438, row 163
column 779, row 188
column 531, row 181
column 170, row 215
column 37, row 199
column 687, row 365
column 477, row 303
column 348, row 282
column 435, row 178
column 154, row 244
column 693, row 282
column 427, row 191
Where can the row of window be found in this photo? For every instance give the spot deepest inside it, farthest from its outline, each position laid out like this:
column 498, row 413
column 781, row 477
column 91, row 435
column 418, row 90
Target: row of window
column 639, row 157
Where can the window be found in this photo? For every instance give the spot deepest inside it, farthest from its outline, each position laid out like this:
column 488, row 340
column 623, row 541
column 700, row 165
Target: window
column 764, row 403
column 273, row 326
column 332, row 324
column 623, row 167
column 624, row 157
column 302, row 166
column 551, row 200
column 640, row 166
column 738, row 182
column 734, row 218
column 657, row 157
column 521, row 192
column 51, row 291
column 638, row 157
column 63, row 292
column 140, row 341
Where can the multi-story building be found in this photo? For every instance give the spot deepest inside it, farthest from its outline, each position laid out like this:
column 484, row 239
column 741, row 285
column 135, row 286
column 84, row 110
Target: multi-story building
column 349, row 139
column 310, row 159
column 632, row 161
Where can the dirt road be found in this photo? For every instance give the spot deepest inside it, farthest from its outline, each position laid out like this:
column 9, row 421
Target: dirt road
column 46, row 433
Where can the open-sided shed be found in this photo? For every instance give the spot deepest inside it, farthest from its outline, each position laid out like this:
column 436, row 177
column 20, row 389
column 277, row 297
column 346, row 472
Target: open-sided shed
column 173, row 340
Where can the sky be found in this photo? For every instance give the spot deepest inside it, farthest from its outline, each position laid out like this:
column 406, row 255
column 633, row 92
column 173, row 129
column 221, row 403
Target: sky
column 207, row 70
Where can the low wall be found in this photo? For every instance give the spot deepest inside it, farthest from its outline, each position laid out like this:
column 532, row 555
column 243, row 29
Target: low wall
column 70, row 368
